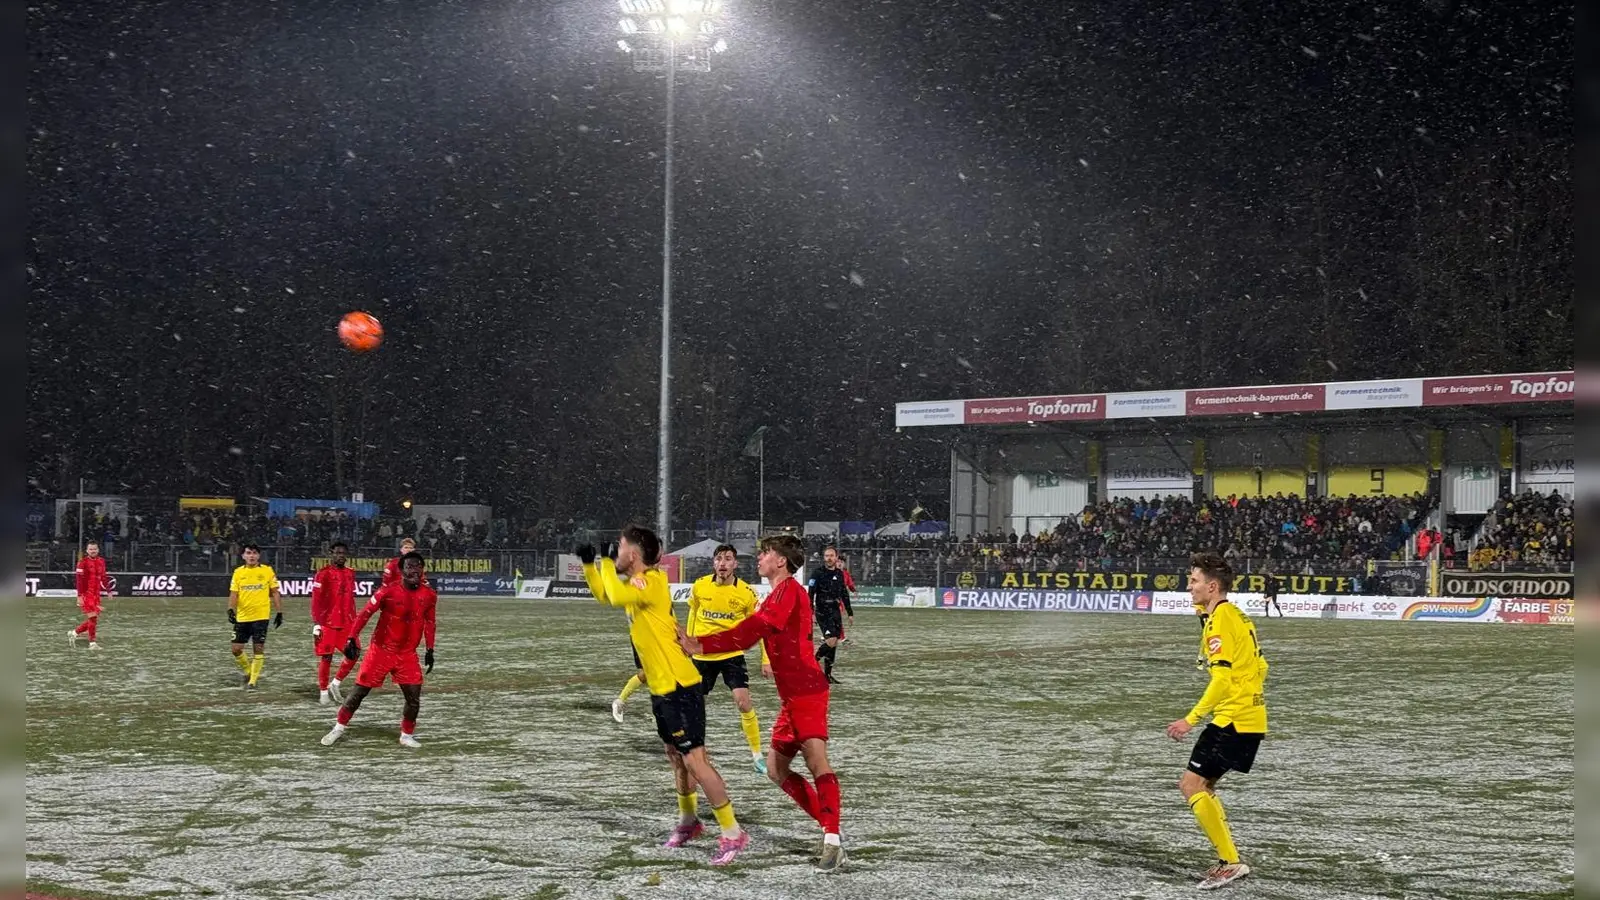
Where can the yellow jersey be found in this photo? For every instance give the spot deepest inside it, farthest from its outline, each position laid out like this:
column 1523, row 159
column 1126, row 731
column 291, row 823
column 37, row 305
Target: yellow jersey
column 714, row 608
column 651, row 625
column 254, row 585
column 1236, row 694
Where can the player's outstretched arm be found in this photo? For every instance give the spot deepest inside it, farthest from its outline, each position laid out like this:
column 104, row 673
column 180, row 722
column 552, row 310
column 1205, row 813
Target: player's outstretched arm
column 618, row 592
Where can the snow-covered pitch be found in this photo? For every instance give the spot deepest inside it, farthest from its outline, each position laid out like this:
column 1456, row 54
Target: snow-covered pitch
column 981, row 754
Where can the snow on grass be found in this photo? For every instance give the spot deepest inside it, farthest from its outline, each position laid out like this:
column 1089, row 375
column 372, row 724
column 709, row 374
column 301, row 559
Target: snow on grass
column 982, row 754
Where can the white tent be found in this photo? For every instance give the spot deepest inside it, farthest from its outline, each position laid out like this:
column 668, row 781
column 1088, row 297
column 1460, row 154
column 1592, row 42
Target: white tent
column 699, row 550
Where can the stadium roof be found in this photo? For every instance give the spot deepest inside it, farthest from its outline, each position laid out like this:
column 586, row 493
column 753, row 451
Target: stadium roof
column 1389, row 394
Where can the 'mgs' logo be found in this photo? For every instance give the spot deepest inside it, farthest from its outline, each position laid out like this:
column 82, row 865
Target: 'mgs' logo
column 157, row 586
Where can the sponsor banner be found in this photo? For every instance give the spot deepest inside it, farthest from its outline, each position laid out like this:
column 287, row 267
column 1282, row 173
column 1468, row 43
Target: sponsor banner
column 301, row 587
column 1146, row 404
column 443, row 565
column 473, row 585
column 1374, row 394
column 1505, row 584
column 57, row 593
column 569, row 567
column 1157, row 481
column 563, row 590
column 1543, row 387
column 1437, row 610
column 1244, row 401
column 536, row 589
column 1048, row 601
column 941, row 412
column 1145, row 581
column 1293, row 606
column 1064, row 408
column 1530, row 611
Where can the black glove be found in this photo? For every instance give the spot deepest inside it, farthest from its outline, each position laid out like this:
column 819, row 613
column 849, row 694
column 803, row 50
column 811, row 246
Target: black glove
column 352, row 650
column 427, row 660
column 277, row 620
column 233, row 616
column 586, row 553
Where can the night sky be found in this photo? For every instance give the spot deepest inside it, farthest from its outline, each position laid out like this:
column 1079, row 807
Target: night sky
column 877, row 202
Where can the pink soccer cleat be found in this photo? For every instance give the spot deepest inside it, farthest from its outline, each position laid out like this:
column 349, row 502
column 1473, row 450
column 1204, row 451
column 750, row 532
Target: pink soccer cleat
column 728, row 848
column 683, row 834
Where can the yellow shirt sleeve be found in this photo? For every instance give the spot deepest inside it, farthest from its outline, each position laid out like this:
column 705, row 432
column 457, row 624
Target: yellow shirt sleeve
column 694, row 607
column 617, row 592
column 233, row 586
column 591, row 576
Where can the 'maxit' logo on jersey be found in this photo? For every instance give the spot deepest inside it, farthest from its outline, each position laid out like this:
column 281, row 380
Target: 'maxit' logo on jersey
column 716, row 616
column 1554, row 386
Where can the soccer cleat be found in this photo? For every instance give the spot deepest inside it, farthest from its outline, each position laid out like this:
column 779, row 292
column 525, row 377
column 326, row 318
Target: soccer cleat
column 407, row 740
column 323, row 698
column 683, row 834
column 334, row 692
column 616, row 710
column 832, row 858
column 728, row 848
column 334, row 735
column 251, row 686
column 1223, row 873
column 72, row 638
column 760, row 763
column 93, row 645
column 831, row 679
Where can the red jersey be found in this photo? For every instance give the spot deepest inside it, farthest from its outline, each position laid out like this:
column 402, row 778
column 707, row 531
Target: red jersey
column 333, row 596
column 783, row 622
column 92, row 577
column 405, row 617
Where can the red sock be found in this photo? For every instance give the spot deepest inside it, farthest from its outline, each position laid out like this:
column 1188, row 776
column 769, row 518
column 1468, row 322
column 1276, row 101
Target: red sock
column 84, row 625
column 92, row 623
column 407, row 726
column 344, row 668
column 344, row 715
column 323, row 665
column 797, row 787
column 828, row 803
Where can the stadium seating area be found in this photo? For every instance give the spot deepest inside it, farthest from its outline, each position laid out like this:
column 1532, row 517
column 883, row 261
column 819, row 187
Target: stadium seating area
column 1528, row 528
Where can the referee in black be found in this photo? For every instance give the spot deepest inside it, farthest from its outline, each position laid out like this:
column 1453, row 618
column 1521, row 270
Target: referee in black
column 829, row 591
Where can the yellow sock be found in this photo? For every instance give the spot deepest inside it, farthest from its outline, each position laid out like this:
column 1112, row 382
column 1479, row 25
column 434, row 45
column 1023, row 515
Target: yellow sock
column 726, row 819
column 688, row 804
column 255, row 667
column 751, row 729
column 1208, row 812
column 627, row 690
column 243, row 662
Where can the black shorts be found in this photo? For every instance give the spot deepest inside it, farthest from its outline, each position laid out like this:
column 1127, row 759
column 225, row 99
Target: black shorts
column 636, row 663
column 735, row 674
column 681, row 718
column 251, row 632
column 1221, row 750
column 831, row 624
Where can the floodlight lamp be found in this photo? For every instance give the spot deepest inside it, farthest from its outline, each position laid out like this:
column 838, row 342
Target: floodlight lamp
column 684, row 7
column 655, row 6
column 721, row 46
column 677, row 25
column 656, row 25
column 713, row 7
column 705, row 28
column 629, row 26
column 627, row 5
column 624, row 46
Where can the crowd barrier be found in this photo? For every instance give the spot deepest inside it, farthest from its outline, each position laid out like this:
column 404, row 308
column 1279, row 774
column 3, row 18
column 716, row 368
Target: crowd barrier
column 1520, row 610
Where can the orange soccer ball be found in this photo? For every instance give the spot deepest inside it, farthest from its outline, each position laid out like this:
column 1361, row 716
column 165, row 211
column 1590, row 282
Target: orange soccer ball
column 360, row 331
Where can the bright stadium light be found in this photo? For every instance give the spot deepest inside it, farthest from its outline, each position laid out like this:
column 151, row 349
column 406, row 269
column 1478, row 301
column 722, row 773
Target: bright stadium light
column 674, row 35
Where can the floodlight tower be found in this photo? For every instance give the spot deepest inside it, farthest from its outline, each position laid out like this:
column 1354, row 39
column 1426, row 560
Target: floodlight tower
column 669, row 36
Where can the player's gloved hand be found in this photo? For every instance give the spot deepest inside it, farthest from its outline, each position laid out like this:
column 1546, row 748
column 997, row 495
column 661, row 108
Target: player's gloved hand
column 316, row 631
column 609, row 550
column 352, row 650
column 586, row 553
column 427, row 660
column 233, row 616
column 277, row 620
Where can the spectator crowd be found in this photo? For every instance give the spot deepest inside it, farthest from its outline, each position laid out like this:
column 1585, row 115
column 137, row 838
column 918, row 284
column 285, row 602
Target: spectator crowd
column 1528, row 528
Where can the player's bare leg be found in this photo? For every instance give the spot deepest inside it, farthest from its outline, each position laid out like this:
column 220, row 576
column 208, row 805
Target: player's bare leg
column 347, row 711
column 408, row 715
column 734, row 838
column 751, row 727
column 689, row 826
column 1201, row 795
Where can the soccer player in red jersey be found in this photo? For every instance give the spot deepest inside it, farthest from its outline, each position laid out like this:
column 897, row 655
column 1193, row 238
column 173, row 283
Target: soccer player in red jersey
column 391, row 571
column 91, row 580
column 333, row 608
column 405, row 617
column 783, row 622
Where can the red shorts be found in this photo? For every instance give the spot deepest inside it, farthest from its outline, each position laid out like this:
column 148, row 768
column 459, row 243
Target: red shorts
column 332, row 641
column 380, row 663
column 89, row 605
column 800, row 719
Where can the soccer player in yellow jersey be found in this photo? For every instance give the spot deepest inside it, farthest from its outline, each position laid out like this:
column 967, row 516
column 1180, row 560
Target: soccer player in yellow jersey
column 634, row 583
column 717, row 602
column 1234, row 700
column 253, row 598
